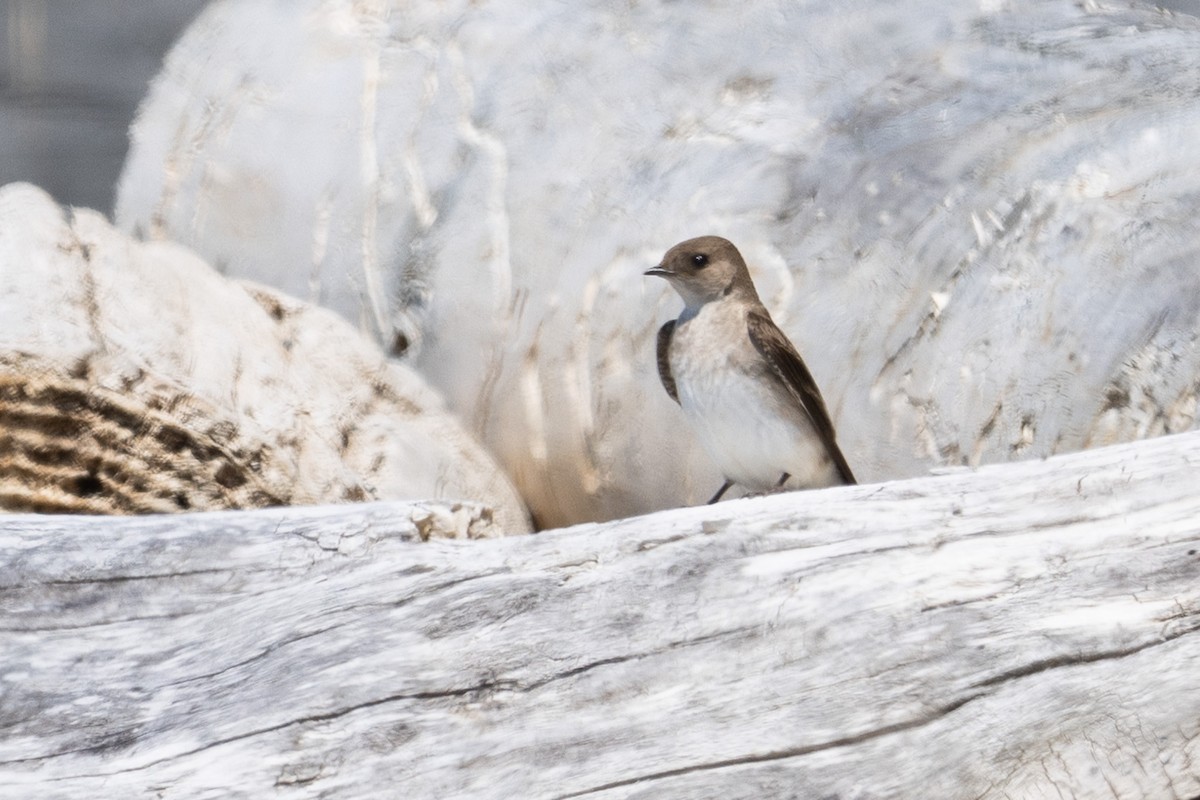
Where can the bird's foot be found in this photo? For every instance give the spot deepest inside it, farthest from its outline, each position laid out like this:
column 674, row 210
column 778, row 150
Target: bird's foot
column 724, row 488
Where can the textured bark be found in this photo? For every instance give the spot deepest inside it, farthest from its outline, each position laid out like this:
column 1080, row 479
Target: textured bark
column 134, row 378
column 1025, row 631
column 976, row 220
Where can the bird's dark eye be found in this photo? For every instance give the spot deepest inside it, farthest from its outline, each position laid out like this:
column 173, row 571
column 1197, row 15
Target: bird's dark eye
column 700, row 260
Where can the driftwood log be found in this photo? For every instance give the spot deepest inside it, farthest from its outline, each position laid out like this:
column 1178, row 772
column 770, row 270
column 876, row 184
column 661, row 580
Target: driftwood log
column 1024, row 631
column 134, row 379
column 976, row 220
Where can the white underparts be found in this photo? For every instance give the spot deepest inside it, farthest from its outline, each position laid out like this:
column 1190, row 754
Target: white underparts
column 752, row 428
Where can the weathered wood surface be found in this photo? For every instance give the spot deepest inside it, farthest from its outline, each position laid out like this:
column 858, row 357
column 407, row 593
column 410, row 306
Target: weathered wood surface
column 976, row 220
column 1024, row 631
column 134, row 378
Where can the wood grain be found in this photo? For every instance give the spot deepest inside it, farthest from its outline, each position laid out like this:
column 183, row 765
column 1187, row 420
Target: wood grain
column 1023, row 631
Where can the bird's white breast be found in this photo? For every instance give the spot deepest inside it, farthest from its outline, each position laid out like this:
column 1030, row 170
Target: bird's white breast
column 751, row 429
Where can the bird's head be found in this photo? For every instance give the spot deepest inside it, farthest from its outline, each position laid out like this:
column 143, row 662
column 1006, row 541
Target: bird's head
column 705, row 269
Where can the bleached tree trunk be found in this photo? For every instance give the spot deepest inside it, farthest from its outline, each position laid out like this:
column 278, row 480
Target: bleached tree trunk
column 1024, row 631
column 976, row 220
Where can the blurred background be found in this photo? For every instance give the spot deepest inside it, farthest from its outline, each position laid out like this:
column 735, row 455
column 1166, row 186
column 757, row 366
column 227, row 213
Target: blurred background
column 72, row 74
column 976, row 220
column 71, row 77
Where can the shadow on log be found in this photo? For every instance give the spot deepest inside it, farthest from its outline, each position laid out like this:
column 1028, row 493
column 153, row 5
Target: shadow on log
column 1027, row 630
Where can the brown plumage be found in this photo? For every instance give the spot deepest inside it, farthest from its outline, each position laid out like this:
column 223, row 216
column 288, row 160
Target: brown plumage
column 792, row 372
column 664, row 364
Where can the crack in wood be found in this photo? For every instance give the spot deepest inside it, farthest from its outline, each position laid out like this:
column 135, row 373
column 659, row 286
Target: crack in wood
column 622, row 659
column 268, row 650
column 96, row 624
column 485, row 687
column 779, row 755
column 127, row 578
column 1078, row 659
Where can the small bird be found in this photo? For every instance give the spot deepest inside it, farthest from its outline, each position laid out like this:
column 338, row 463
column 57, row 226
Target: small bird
column 741, row 384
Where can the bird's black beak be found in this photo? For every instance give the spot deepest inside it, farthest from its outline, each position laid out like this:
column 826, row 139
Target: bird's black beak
column 659, row 271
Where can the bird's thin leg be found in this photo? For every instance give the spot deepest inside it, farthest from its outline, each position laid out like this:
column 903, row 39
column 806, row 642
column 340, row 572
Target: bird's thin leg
column 724, row 488
column 782, row 480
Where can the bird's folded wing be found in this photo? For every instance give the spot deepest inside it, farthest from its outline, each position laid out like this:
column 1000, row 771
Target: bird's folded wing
column 664, row 363
column 787, row 365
